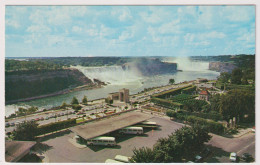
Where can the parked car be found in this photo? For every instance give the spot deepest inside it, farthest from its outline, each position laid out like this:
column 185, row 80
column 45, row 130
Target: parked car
column 47, row 117
column 198, row 158
column 58, row 115
column 12, row 124
column 7, row 124
column 247, row 157
column 62, row 114
column 41, row 118
column 18, row 122
column 253, row 129
column 233, row 157
column 37, row 119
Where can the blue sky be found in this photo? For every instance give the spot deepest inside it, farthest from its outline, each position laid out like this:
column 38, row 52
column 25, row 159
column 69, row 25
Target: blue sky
column 45, row 31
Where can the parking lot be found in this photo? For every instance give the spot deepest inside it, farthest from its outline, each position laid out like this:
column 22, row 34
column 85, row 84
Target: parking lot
column 60, row 149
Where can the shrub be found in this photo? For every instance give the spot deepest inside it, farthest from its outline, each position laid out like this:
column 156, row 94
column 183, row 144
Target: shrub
column 166, row 103
column 189, row 90
column 211, row 126
column 51, row 127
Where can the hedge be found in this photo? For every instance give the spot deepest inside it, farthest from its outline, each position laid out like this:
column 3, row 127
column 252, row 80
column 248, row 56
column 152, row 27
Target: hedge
column 51, row 127
column 189, row 90
column 170, row 92
column 211, row 126
column 212, row 116
column 166, row 103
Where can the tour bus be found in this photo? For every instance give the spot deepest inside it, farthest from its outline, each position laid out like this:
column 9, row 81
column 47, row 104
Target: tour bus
column 102, row 140
column 147, row 124
column 122, row 158
column 131, row 130
column 112, row 161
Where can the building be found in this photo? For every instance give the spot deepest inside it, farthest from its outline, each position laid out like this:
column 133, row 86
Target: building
column 200, row 80
column 204, row 86
column 122, row 95
column 16, row 150
column 204, row 95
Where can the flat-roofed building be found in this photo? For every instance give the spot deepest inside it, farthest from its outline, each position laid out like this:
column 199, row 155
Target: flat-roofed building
column 101, row 127
column 122, row 95
column 16, row 150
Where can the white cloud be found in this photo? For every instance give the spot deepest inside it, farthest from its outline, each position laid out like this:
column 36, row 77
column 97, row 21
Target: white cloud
column 38, row 29
column 241, row 13
column 153, row 18
column 123, row 13
column 189, row 37
column 172, row 27
column 12, row 23
column 125, row 35
column 76, row 29
column 214, row 34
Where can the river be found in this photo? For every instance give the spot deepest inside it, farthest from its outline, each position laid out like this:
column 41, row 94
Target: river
column 118, row 79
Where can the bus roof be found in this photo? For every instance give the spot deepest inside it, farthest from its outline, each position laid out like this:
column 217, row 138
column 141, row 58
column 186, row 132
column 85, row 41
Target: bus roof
column 104, row 138
column 148, row 122
column 122, row 158
column 137, row 128
column 112, row 161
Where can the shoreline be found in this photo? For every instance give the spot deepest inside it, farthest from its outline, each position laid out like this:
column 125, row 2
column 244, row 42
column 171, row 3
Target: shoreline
column 65, row 91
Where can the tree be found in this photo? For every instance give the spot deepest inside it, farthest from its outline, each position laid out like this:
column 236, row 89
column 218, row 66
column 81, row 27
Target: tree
column 215, row 103
column 237, row 103
column 64, row 105
column 142, row 155
column 76, row 107
column 74, row 100
column 109, row 101
column 170, row 113
column 32, row 109
column 171, row 81
column 183, row 144
column 224, row 77
column 85, row 100
column 236, row 76
column 26, row 131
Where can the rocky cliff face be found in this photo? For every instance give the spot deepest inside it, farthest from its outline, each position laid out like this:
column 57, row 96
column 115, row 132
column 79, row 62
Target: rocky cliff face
column 26, row 84
column 149, row 67
column 221, row 66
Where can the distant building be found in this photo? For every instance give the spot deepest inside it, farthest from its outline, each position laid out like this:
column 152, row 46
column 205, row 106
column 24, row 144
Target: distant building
column 122, row 95
column 204, row 86
column 200, row 80
column 16, row 150
column 204, row 95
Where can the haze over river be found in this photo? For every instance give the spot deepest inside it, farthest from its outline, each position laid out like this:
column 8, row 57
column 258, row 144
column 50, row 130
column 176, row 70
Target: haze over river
column 119, row 78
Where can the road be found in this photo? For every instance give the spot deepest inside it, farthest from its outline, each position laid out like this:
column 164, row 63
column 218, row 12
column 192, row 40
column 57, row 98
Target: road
column 98, row 107
column 61, row 115
column 223, row 146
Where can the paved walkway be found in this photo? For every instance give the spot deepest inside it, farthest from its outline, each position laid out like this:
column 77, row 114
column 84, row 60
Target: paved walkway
column 74, row 142
column 242, row 132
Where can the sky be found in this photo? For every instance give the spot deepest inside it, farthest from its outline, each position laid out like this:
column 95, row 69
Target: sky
column 56, row 31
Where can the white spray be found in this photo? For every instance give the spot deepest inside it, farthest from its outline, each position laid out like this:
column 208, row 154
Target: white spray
column 186, row 64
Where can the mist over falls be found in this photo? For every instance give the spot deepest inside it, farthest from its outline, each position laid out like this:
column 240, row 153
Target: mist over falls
column 130, row 72
column 111, row 74
column 137, row 70
column 186, row 64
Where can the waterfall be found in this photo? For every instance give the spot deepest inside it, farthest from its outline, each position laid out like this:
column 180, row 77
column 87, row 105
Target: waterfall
column 114, row 75
column 186, row 64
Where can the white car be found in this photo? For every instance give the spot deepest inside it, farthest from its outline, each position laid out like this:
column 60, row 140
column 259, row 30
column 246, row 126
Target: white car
column 233, row 157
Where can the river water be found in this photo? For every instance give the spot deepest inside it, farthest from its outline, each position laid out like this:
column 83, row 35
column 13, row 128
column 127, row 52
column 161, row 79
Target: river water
column 118, row 79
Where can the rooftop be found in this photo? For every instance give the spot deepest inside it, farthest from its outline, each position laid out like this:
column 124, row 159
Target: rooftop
column 204, row 93
column 101, row 127
column 15, row 150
